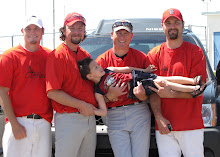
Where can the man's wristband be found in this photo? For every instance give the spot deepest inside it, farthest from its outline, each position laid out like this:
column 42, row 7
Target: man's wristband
column 106, row 97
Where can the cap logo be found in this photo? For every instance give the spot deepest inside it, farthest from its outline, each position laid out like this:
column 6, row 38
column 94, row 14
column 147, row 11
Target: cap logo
column 171, row 11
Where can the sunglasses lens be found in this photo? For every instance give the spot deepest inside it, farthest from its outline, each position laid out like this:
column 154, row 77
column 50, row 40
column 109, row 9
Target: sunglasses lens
column 116, row 24
column 123, row 23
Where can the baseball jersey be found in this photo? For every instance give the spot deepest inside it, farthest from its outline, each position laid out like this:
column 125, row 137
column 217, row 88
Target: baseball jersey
column 108, row 79
column 62, row 73
column 23, row 72
column 134, row 58
column 189, row 61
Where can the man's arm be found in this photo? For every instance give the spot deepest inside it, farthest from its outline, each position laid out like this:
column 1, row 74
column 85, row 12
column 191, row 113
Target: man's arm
column 156, row 108
column 63, row 98
column 18, row 130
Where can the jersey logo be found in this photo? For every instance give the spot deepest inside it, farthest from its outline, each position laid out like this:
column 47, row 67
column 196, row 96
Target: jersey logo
column 108, row 81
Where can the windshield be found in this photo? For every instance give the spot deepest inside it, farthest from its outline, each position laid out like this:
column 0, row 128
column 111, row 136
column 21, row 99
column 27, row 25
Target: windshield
column 98, row 45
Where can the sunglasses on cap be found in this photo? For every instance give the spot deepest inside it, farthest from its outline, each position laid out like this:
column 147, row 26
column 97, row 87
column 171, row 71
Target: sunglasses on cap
column 74, row 18
column 121, row 23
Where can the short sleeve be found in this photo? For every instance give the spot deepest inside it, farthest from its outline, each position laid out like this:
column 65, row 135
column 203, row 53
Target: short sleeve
column 54, row 72
column 198, row 66
column 6, row 71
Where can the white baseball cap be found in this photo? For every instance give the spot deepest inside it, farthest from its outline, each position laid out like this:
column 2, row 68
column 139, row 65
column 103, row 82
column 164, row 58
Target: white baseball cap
column 33, row 20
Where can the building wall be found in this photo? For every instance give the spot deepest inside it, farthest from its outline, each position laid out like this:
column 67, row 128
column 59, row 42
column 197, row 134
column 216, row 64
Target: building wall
column 213, row 25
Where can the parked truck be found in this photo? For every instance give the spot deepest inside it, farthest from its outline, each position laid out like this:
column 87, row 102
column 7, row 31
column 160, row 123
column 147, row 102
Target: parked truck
column 148, row 33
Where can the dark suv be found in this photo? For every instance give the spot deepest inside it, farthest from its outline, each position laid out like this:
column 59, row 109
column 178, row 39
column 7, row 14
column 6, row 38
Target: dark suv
column 148, row 33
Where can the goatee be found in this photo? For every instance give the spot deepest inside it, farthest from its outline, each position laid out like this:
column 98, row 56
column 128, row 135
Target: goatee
column 173, row 35
column 76, row 41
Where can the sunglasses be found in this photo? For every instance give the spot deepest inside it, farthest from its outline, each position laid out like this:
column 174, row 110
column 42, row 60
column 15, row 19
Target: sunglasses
column 127, row 24
column 73, row 18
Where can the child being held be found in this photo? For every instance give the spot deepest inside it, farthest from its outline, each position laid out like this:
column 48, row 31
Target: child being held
column 103, row 78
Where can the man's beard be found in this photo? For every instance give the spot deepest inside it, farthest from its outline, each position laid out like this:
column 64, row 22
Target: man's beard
column 173, row 36
column 76, row 41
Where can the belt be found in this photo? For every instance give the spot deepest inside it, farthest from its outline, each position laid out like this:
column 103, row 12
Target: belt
column 136, row 103
column 34, row 116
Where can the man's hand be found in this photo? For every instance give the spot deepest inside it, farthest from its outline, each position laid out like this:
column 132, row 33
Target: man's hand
column 19, row 131
column 116, row 90
column 86, row 109
column 163, row 91
column 139, row 92
column 162, row 125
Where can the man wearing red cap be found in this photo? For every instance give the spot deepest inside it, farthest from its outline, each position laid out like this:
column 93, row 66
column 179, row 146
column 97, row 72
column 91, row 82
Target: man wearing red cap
column 72, row 97
column 176, row 57
column 23, row 95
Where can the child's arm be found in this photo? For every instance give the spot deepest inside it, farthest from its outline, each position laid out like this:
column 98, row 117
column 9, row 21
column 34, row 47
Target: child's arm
column 149, row 69
column 102, row 111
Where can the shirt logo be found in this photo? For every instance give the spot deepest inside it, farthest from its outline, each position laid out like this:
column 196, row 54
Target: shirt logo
column 32, row 74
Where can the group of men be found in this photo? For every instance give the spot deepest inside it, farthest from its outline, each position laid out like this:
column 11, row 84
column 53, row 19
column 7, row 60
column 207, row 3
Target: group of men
column 35, row 81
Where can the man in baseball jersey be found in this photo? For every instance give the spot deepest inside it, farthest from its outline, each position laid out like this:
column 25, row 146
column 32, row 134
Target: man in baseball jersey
column 23, row 95
column 72, row 97
column 176, row 57
column 128, row 120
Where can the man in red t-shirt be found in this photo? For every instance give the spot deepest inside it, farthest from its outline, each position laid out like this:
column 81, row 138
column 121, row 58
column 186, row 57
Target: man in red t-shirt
column 23, row 95
column 176, row 57
column 72, row 97
column 128, row 120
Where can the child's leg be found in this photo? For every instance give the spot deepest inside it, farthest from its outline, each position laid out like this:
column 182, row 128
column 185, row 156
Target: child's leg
column 176, row 86
column 180, row 79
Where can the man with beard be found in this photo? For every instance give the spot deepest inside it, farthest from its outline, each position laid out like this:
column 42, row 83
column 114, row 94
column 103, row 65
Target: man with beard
column 72, row 97
column 176, row 57
column 23, row 95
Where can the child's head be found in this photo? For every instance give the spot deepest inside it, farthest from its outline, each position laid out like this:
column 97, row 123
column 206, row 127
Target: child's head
column 90, row 70
column 83, row 66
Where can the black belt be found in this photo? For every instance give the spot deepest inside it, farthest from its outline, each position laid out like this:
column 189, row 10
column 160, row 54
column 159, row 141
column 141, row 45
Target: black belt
column 136, row 103
column 34, row 116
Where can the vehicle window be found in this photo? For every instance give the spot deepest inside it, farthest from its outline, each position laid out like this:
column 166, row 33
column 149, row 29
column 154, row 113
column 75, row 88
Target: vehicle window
column 96, row 46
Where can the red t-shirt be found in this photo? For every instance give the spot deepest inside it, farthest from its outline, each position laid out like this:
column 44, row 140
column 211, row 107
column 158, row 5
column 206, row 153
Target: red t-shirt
column 134, row 58
column 189, row 61
column 24, row 73
column 62, row 73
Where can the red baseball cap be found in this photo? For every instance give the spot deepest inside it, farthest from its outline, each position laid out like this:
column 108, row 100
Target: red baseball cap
column 74, row 17
column 172, row 12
